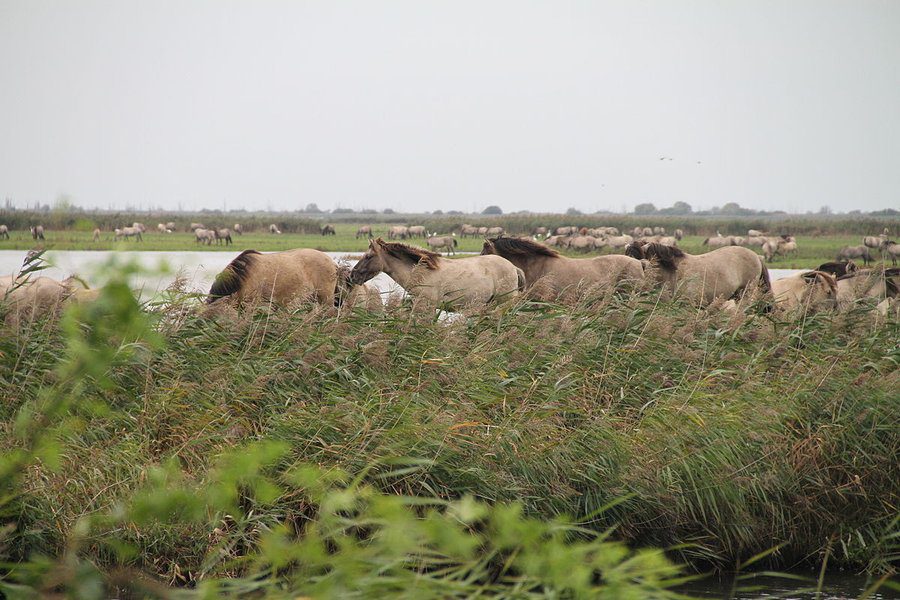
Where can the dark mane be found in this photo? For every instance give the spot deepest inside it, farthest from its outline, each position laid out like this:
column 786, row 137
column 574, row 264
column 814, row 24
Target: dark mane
column 521, row 247
column 411, row 254
column 838, row 268
column 232, row 278
column 663, row 255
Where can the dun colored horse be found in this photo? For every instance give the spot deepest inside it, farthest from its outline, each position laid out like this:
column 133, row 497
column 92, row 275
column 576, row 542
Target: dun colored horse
column 277, row 277
column 723, row 273
column 428, row 275
column 550, row 276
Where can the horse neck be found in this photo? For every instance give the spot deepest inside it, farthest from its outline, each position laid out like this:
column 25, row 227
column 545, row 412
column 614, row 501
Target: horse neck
column 400, row 270
column 533, row 266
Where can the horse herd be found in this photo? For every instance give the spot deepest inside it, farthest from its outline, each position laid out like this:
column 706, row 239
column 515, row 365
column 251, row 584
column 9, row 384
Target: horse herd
column 508, row 267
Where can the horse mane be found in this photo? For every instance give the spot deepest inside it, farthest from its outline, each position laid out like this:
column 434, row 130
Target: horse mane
column 663, row 255
column 838, row 268
column 891, row 278
column 521, row 247
column 411, row 254
column 232, row 278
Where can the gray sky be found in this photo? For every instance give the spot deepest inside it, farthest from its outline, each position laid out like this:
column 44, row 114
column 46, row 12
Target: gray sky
column 423, row 105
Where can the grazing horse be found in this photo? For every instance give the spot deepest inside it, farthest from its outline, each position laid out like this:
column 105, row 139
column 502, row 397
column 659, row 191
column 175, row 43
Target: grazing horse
column 128, row 232
column 495, row 231
column 468, row 230
column 892, row 249
column 161, row 227
column 445, row 242
column 849, row 252
column 618, row 241
column 195, row 226
column 723, row 273
column 37, row 232
column 398, row 232
column 223, row 235
column 809, row 291
column 365, row 296
column 204, row 236
column 238, row 229
column 96, row 237
column 365, row 231
column 277, row 277
column 867, row 283
column 874, row 241
column 170, row 226
column 838, row 269
column 328, row 230
column 539, row 231
column 719, row 241
column 273, row 228
column 678, row 234
column 549, row 276
column 416, row 231
column 784, row 245
column 428, row 275
column 4, row 232
column 565, row 231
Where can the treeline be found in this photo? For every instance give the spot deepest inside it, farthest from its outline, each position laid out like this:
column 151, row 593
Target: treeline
column 107, row 221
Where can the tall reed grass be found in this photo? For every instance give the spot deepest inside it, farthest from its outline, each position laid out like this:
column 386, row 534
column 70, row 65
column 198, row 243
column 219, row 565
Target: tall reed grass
column 519, row 451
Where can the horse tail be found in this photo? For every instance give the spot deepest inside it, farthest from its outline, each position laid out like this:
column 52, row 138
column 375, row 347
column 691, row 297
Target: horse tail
column 520, row 274
column 455, row 243
column 232, row 278
column 765, row 282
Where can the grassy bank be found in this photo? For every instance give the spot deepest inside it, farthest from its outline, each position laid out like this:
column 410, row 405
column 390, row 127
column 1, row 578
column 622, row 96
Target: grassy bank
column 813, row 250
column 716, row 436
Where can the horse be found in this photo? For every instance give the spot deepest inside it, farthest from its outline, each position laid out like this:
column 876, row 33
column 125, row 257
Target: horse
column 428, row 275
column 874, row 241
column 537, row 231
column 719, row 241
column 867, row 283
column 170, row 226
column 328, row 230
column 128, row 232
column 809, row 291
column 583, row 243
column 364, row 296
column 238, row 229
column 161, row 227
column 755, row 233
column 838, row 268
column 722, row 273
column 37, row 232
column 36, row 297
column 416, row 231
column 783, row 246
column 549, row 276
column 468, row 230
column 204, row 236
column 398, row 232
column 848, row 252
column 273, row 229
column 446, row 242
column 618, row 241
column 678, row 234
column 365, row 231
column 96, row 236
column 482, row 230
column 222, row 235
column 495, row 231
column 659, row 231
column 892, row 249
column 278, row 278
column 4, row 232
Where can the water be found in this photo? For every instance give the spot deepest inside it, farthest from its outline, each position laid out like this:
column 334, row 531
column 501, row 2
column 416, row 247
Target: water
column 161, row 268
column 835, row 586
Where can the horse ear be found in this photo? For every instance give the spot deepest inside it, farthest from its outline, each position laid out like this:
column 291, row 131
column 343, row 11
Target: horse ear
column 374, row 243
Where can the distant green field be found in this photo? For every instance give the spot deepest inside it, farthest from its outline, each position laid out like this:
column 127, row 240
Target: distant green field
column 813, row 250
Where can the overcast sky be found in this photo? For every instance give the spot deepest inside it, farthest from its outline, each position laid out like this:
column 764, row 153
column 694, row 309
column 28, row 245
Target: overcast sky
column 787, row 105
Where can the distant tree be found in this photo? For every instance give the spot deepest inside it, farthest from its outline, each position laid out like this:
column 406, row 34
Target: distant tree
column 454, row 212
column 825, row 210
column 388, row 211
column 733, row 209
column 887, row 212
column 63, row 203
column 312, row 207
column 492, row 210
column 438, row 212
column 681, row 208
column 573, row 212
column 645, row 208
column 345, row 211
